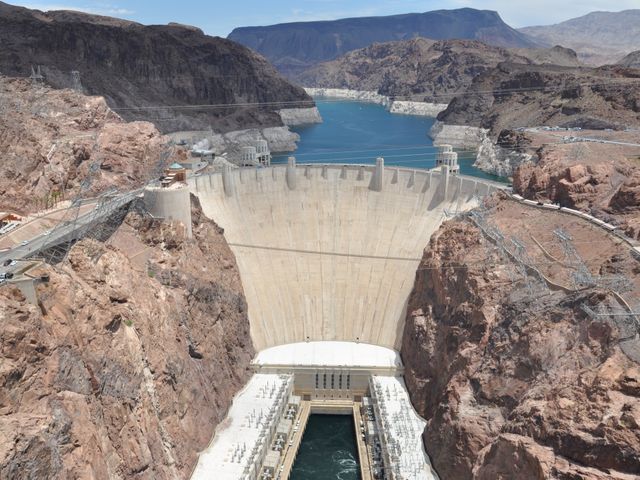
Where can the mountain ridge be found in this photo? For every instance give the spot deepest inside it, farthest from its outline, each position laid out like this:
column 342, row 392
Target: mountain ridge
column 139, row 68
column 597, row 36
column 292, row 47
column 421, row 69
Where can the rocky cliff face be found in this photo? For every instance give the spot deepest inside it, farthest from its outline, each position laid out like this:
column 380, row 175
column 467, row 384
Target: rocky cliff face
column 292, row 47
column 531, row 95
column 631, row 61
column 517, row 383
column 422, row 69
column 131, row 360
column 595, row 178
column 140, row 69
column 54, row 140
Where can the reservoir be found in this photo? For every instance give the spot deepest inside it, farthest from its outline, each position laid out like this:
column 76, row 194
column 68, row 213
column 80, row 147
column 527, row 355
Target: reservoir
column 355, row 132
column 328, row 450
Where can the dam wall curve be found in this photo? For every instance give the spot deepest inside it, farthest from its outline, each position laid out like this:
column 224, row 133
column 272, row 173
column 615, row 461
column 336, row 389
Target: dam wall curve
column 330, row 252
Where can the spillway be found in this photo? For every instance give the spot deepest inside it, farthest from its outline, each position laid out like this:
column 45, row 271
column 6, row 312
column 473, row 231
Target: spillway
column 324, row 254
column 327, row 255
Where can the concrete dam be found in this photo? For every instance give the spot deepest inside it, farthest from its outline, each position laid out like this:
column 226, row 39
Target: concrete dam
column 329, row 253
column 327, row 256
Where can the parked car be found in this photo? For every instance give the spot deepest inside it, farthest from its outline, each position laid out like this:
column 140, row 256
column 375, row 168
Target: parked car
column 24, row 243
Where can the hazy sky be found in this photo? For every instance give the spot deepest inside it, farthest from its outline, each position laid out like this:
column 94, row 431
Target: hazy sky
column 220, row 17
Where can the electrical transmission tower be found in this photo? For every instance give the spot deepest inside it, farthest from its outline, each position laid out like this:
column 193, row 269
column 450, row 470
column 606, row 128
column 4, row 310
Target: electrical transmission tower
column 75, row 81
column 581, row 275
column 36, row 74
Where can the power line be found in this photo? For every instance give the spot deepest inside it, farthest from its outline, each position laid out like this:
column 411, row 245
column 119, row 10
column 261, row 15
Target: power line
column 630, row 82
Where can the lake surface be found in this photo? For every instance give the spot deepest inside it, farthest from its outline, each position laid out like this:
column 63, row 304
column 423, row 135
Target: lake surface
column 355, row 132
column 328, row 450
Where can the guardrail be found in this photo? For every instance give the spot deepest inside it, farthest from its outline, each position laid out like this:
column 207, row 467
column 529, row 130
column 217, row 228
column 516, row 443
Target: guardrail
column 617, row 231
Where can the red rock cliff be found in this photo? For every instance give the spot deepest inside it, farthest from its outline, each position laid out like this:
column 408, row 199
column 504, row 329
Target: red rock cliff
column 517, row 384
column 132, row 360
column 600, row 179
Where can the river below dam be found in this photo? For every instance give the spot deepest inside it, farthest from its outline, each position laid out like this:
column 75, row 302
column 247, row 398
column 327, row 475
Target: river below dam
column 328, row 450
column 356, row 132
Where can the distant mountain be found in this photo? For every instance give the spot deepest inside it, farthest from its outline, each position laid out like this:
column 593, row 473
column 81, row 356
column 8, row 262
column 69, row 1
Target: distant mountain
column 422, row 69
column 598, row 37
column 292, row 47
column 134, row 65
column 632, row 60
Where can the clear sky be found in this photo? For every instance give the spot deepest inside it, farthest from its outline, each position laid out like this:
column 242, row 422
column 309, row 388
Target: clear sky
column 220, row 17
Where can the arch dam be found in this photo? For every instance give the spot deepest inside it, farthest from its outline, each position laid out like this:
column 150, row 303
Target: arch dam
column 329, row 252
column 327, row 255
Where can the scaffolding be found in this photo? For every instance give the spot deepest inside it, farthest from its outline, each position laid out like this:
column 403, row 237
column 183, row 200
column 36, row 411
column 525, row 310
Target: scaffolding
column 625, row 317
column 581, row 276
column 513, row 253
column 76, row 84
column 36, row 74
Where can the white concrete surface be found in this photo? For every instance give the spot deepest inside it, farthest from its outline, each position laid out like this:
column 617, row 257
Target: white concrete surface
column 460, row 136
column 329, row 354
column 242, row 440
column 330, row 260
column 345, row 94
column 172, row 203
column 401, row 429
column 300, row 116
column 421, row 109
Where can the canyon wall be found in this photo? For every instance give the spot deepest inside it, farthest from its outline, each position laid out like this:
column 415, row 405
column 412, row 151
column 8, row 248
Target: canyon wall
column 53, row 141
column 130, row 361
column 519, row 383
column 600, row 179
column 156, row 73
column 292, row 117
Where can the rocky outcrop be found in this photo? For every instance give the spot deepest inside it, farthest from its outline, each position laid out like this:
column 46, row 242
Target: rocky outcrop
column 130, row 361
column 57, row 144
column 595, row 178
column 292, row 117
column 504, row 157
column 515, row 95
column 517, row 383
column 420, row 69
column 140, row 69
column 280, row 139
column 346, row 94
column 293, row 47
column 631, row 61
column 457, row 135
column 420, row 109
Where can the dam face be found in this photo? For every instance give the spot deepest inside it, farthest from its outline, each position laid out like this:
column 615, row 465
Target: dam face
column 329, row 252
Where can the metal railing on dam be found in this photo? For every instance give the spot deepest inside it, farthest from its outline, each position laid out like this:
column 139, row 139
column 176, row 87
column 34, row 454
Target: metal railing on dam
column 327, row 251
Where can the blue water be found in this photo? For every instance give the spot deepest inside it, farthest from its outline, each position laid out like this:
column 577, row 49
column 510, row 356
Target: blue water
column 355, row 132
column 328, row 450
